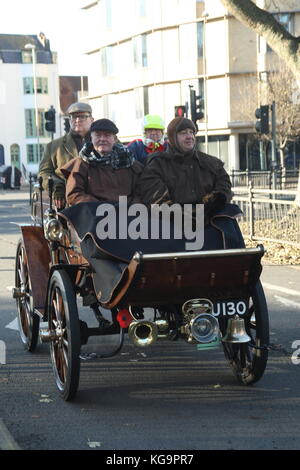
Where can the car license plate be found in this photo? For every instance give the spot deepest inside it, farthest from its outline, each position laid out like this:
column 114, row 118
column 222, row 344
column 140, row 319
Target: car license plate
column 230, row 307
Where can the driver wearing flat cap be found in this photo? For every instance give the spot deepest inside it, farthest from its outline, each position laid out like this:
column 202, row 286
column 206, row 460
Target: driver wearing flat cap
column 104, row 170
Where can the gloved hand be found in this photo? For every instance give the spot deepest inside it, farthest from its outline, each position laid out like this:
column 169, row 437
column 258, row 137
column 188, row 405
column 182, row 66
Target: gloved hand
column 59, row 197
column 213, row 202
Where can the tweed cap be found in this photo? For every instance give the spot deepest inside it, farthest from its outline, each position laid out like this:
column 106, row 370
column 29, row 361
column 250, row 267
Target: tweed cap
column 79, row 108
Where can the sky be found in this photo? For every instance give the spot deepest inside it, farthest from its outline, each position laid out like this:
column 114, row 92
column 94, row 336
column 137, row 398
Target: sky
column 62, row 22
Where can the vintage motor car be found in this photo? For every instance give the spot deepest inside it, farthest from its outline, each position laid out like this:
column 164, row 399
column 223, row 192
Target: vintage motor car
column 208, row 296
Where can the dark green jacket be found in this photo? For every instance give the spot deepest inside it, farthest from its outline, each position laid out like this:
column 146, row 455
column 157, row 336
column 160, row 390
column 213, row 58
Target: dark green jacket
column 183, row 179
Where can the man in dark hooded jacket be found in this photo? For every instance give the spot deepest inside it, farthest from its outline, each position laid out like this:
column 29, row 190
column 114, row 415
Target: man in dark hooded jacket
column 183, row 174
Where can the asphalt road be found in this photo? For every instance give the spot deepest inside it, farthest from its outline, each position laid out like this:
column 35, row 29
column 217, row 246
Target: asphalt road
column 169, row 396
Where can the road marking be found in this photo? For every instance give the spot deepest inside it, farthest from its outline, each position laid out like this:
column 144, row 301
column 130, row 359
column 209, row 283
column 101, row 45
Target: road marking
column 283, row 290
column 287, row 302
column 13, row 325
column 7, row 442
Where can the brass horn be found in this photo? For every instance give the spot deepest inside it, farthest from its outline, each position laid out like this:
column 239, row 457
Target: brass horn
column 236, row 332
column 163, row 328
column 143, row 333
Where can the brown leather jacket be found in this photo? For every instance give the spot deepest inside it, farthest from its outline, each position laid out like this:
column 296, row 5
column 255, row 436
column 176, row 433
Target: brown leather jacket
column 87, row 183
column 183, row 178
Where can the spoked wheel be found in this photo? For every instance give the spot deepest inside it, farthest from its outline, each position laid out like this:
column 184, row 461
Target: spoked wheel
column 28, row 321
column 249, row 360
column 65, row 331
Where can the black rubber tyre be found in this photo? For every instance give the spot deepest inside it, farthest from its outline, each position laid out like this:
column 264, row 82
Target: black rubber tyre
column 249, row 363
column 28, row 321
column 64, row 324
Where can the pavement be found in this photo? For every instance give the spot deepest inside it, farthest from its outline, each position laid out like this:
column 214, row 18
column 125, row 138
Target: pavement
column 7, row 442
column 281, row 283
column 15, row 194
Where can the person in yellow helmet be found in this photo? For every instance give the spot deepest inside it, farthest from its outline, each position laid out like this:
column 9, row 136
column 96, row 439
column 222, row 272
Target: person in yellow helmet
column 153, row 139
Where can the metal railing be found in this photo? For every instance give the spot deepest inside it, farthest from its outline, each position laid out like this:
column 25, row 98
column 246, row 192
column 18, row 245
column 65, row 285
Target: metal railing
column 269, row 215
column 280, row 178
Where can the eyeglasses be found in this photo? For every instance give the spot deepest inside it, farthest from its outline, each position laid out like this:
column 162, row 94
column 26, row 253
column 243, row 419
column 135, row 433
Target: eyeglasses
column 80, row 117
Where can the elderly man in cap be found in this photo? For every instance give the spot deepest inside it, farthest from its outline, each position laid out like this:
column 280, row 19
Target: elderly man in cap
column 60, row 151
column 104, row 170
column 183, row 174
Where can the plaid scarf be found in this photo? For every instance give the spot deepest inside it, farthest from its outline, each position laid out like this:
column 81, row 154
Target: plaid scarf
column 120, row 157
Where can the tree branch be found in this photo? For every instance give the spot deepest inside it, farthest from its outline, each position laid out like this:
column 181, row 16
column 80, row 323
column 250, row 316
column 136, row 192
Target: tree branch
column 265, row 24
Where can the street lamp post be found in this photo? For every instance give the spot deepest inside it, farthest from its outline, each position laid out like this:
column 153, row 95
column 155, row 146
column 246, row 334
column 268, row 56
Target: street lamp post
column 32, row 47
column 205, row 15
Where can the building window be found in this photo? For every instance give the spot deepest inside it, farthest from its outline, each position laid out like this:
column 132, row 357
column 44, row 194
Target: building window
column 287, row 21
column 26, row 57
column 32, row 153
column 105, row 106
column 28, row 85
column 30, row 123
column 217, row 146
column 15, row 155
column 249, row 153
column 292, row 155
column 146, row 99
column 108, row 13
column 140, row 52
column 142, row 7
column 200, row 38
column 2, row 159
column 41, row 85
column 201, row 93
column 139, row 103
column 107, row 61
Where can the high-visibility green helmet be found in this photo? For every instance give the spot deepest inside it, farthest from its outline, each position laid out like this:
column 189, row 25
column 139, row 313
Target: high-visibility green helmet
column 153, row 121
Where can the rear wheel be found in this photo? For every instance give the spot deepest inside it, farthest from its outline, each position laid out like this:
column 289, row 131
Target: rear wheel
column 64, row 327
column 28, row 321
column 248, row 360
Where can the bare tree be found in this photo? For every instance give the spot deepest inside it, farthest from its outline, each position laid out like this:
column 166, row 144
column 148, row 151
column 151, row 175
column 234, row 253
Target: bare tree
column 286, row 46
column 263, row 23
column 281, row 87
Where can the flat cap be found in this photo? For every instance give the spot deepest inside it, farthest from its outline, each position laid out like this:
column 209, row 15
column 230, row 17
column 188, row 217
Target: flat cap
column 79, row 108
column 104, row 125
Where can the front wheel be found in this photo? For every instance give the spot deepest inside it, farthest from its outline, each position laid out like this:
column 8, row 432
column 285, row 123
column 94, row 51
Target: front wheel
column 64, row 327
column 248, row 360
column 28, row 321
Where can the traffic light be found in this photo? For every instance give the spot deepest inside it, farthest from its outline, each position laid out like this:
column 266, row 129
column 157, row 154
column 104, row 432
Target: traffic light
column 196, row 107
column 180, row 111
column 262, row 114
column 66, row 124
column 50, row 125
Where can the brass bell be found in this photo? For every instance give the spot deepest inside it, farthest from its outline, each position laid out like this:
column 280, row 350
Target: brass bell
column 236, row 332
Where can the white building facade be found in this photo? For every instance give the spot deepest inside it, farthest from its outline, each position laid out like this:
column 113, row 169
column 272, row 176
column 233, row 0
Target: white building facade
column 22, row 143
column 145, row 55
